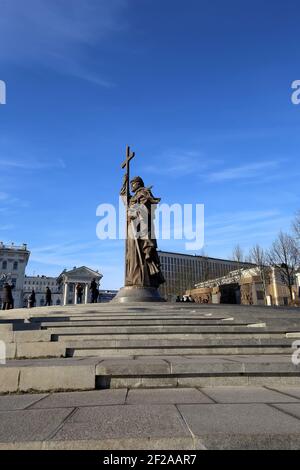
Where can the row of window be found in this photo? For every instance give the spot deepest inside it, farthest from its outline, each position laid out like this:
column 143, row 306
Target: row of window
column 199, row 273
column 214, row 267
column 15, row 265
column 40, row 283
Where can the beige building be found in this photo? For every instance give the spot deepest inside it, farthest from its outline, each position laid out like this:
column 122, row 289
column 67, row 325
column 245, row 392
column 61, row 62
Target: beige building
column 246, row 287
column 182, row 271
column 13, row 262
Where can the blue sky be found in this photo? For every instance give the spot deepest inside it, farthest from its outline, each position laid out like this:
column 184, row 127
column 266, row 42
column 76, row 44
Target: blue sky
column 201, row 89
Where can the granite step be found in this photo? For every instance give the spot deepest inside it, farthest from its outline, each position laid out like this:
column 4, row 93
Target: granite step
column 138, row 322
column 168, row 336
column 122, row 352
column 182, row 329
column 163, row 372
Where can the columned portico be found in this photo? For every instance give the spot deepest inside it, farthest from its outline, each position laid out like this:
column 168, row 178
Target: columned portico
column 76, row 284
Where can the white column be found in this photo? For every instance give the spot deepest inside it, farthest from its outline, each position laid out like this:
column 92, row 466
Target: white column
column 65, row 293
column 75, row 294
column 276, row 300
column 86, row 294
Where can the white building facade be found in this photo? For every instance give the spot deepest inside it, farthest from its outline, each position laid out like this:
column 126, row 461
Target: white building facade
column 39, row 284
column 70, row 280
column 13, row 262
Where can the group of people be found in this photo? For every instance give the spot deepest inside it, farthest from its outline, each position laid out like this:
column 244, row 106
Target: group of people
column 94, row 292
column 32, row 298
column 8, row 300
column 184, row 298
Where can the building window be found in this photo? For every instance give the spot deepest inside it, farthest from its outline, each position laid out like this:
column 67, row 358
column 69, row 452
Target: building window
column 15, row 267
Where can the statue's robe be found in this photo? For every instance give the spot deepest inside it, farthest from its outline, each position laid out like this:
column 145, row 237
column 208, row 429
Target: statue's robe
column 142, row 261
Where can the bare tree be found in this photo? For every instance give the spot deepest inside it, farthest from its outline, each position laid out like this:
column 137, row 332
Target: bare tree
column 285, row 256
column 238, row 257
column 259, row 257
column 206, row 274
column 237, row 254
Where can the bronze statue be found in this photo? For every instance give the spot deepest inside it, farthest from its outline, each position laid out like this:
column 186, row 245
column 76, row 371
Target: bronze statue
column 143, row 274
column 142, row 261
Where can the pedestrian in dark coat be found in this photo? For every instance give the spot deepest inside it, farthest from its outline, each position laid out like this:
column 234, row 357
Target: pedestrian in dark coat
column 94, row 290
column 31, row 299
column 48, row 297
column 79, row 290
column 8, row 300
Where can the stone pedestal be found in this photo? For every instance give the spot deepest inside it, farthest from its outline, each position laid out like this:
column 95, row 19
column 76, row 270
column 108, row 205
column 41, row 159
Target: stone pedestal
column 133, row 294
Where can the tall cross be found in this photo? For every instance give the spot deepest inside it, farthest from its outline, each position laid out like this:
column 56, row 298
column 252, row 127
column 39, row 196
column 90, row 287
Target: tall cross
column 129, row 156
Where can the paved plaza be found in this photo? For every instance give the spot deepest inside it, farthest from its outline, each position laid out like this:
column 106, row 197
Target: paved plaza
column 160, row 376
column 191, row 418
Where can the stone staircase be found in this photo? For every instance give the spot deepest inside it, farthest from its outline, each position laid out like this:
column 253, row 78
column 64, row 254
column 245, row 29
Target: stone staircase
column 152, row 345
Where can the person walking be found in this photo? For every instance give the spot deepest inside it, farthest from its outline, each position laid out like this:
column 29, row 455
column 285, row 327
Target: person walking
column 48, row 297
column 31, row 299
column 96, row 295
column 79, row 290
column 8, row 300
column 94, row 290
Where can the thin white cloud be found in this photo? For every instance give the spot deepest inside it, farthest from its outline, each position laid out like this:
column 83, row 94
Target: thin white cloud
column 29, row 164
column 6, row 227
column 73, row 253
column 59, row 33
column 7, row 201
column 177, row 163
column 242, row 172
column 52, row 259
column 3, row 196
column 241, row 217
column 246, row 228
